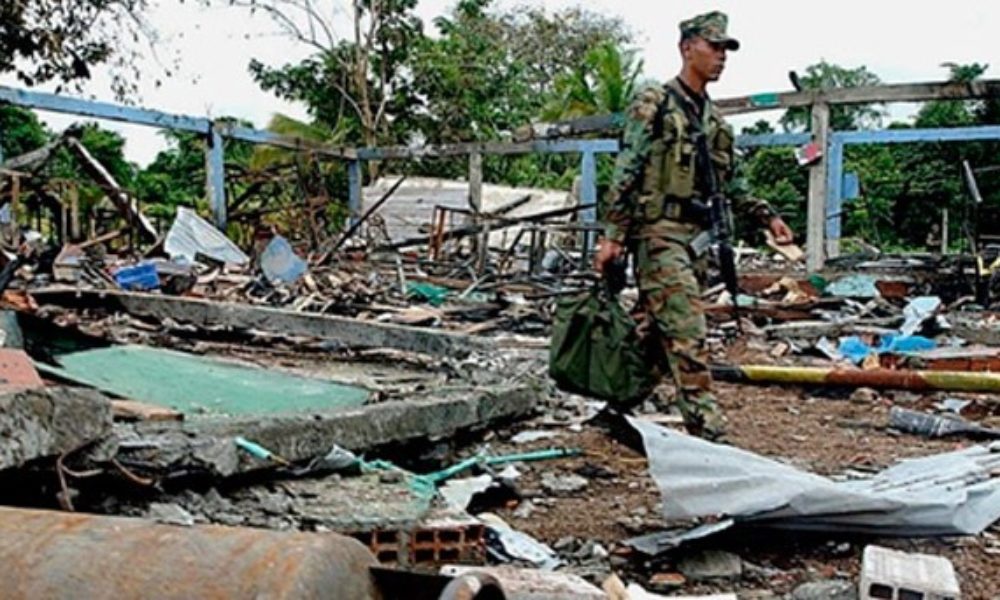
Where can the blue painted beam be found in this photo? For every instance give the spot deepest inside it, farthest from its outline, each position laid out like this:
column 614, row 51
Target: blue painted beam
column 834, row 191
column 588, row 195
column 773, row 139
column 215, row 172
column 903, row 136
column 102, row 110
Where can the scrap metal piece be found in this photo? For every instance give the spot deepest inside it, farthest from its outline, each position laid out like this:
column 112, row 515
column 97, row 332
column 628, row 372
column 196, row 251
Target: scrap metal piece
column 935, row 426
column 58, row 555
column 956, row 493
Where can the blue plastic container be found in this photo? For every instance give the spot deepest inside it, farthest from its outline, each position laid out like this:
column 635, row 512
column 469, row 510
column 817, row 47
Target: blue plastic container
column 138, row 278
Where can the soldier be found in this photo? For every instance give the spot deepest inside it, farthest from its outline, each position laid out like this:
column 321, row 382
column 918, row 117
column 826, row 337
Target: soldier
column 656, row 209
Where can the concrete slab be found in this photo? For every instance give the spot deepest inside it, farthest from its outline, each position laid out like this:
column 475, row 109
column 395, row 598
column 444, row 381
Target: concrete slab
column 199, row 386
column 207, row 445
column 37, row 423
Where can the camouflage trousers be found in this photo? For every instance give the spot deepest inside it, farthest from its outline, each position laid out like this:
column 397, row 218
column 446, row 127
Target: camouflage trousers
column 672, row 321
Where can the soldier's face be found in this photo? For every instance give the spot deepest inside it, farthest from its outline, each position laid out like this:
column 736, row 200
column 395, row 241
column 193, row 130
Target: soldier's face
column 707, row 59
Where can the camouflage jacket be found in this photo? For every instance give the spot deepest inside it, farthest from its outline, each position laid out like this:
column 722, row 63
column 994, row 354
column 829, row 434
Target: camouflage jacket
column 657, row 163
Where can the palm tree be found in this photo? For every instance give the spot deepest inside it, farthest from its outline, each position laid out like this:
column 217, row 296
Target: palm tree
column 604, row 83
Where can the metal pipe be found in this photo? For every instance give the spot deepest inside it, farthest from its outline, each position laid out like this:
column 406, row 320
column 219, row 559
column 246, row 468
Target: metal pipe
column 951, row 381
column 47, row 554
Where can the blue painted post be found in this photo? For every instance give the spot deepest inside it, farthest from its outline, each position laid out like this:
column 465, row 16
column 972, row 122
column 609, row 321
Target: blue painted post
column 834, row 196
column 588, row 195
column 354, row 191
column 215, row 184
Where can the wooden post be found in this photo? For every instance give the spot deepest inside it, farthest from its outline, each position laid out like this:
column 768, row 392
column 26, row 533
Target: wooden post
column 354, row 192
column 15, row 208
column 476, row 204
column 816, row 228
column 74, row 212
column 215, row 183
column 944, row 231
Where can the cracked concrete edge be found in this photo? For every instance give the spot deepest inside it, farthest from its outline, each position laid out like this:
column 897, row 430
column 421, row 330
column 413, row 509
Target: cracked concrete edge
column 208, row 446
column 43, row 422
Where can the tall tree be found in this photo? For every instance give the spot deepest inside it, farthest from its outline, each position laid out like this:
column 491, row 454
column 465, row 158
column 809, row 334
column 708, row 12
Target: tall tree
column 351, row 82
column 62, row 40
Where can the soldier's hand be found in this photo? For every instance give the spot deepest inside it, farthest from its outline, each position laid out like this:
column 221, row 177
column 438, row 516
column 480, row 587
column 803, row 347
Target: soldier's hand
column 607, row 251
column 782, row 232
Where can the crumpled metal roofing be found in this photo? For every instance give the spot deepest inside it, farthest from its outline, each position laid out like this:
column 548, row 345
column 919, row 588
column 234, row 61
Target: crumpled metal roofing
column 956, row 493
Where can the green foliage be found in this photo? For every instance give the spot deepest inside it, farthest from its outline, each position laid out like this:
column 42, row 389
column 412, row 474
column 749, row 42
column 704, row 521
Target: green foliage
column 773, row 175
column 603, row 83
column 20, row 131
column 481, row 75
column 905, row 187
column 62, row 40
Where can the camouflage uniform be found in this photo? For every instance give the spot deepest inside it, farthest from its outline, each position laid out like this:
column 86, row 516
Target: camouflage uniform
column 657, row 178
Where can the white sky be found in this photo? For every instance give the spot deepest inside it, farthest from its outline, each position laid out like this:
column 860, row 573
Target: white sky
column 899, row 40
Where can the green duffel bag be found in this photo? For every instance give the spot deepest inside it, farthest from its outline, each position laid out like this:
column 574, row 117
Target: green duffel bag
column 595, row 350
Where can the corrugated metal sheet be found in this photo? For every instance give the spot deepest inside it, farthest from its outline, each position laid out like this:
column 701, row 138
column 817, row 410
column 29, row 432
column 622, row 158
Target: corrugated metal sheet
column 957, row 493
column 409, row 211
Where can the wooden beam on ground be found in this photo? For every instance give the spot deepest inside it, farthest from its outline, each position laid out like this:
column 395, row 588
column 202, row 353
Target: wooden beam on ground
column 130, row 410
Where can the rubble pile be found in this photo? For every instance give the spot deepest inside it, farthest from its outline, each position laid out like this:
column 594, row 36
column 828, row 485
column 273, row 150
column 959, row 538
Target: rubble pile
column 404, row 402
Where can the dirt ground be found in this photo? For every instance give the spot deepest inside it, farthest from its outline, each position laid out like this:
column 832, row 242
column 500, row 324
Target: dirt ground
column 826, row 434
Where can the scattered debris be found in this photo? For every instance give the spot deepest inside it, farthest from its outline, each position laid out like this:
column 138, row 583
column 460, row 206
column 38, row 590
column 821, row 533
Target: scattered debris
column 826, row 590
column 170, row 514
column 561, row 485
column 711, row 564
column 889, row 573
column 191, row 236
column 506, row 544
column 528, row 583
column 280, row 264
column 911, row 421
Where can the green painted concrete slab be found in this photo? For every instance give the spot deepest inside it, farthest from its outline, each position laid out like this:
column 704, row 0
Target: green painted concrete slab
column 199, row 385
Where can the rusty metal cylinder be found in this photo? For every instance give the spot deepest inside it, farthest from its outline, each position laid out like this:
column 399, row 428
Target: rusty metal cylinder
column 47, row 554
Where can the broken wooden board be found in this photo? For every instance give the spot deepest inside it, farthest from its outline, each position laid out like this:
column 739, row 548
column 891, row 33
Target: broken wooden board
column 131, row 410
column 791, row 252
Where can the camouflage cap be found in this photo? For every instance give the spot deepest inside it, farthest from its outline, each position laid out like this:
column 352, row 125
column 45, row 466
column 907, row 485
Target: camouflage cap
column 710, row 26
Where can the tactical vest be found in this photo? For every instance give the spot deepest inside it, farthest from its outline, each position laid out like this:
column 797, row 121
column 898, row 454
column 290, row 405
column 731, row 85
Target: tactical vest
column 670, row 174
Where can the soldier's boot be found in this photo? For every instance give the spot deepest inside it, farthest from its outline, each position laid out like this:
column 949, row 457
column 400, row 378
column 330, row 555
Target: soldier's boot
column 701, row 413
